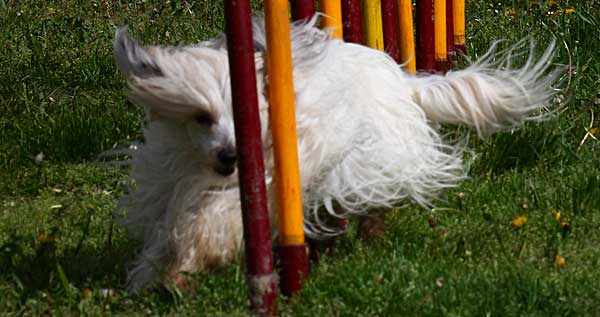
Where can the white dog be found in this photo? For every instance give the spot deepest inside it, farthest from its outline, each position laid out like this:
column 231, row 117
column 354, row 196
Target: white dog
column 366, row 138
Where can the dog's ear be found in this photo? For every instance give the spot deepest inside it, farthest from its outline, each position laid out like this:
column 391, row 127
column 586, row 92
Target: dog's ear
column 132, row 59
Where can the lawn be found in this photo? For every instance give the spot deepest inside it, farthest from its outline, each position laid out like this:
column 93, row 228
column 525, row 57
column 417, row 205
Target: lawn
column 62, row 103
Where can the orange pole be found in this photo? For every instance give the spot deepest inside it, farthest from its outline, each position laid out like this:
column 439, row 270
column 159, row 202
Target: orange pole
column 439, row 20
column 283, row 126
column 459, row 25
column 333, row 17
column 407, row 36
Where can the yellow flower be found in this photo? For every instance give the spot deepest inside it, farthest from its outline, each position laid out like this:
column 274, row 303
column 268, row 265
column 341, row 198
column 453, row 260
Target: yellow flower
column 569, row 10
column 559, row 260
column 44, row 238
column 510, row 11
column 519, row 221
column 556, row 214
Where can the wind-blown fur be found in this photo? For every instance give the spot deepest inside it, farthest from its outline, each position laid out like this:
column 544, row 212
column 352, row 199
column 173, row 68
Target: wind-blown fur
column 365, row 138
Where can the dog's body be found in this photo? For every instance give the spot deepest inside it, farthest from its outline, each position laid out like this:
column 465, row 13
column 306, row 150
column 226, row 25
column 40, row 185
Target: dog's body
column 365, row 138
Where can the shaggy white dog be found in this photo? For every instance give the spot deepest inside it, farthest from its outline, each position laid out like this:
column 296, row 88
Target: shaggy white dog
column 366, row 137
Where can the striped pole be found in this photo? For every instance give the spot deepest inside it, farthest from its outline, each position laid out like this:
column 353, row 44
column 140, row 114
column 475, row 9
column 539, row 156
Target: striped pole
column 459, row 26
column 292, row 249
column 407, row 36
column 333, row 17
column 450, row 31
column 425, row 36
column 257, row 231
column 352, row 18
column 373, row 27
column 439, row 20
column 389, row 21
column 302, row 9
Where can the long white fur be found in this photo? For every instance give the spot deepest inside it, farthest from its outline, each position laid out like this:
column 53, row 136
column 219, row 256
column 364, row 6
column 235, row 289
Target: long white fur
column 365, row 137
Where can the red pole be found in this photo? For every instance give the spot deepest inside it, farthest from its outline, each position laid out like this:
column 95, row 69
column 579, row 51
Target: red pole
column 352, row 17
column 389, row 16
column 257, row 233
column 425, row 36
column 302, row 9
column 450, row 32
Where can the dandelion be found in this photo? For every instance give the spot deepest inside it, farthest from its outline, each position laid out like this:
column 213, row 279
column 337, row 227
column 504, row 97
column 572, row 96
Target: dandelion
column 559, row 260
column 519, row 221
column 565, row 225
column 44, row 238
column 569, row 10
column 556, row 214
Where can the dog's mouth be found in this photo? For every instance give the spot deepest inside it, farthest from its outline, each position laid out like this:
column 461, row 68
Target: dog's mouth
column 226, row 170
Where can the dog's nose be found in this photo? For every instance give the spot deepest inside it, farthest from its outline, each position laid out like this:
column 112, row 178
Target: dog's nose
column 227, row 156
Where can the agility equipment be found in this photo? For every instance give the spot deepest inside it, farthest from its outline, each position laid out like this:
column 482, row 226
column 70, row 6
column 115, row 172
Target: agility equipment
column 381, row 24
column 333, row 17
column 262, row 286
column 373, row 24
column 439, row 19
column 459, row 26
column 302, row 9
column 294, row 263
column 352, row 21
column 407, row 39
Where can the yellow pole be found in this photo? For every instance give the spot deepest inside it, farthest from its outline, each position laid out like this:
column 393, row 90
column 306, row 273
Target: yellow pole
column 439, row 20
column 407, row 36
column 458, row 12
column 373, row 24
column 333, row 17
column 283, row 123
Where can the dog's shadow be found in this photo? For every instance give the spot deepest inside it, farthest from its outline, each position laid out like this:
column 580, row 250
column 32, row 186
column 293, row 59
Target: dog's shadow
column 37, row 264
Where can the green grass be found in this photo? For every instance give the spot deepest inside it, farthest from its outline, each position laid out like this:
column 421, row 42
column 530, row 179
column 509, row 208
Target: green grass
column 61, row 95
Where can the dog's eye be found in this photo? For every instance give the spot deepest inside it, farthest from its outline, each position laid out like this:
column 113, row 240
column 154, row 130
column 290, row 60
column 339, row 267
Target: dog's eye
column 204, row 119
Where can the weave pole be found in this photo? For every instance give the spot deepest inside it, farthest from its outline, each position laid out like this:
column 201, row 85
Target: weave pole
column 407, row 33
column 302, row 9
column 262, row 283
column 373, row 24
column 425, row 36
column 389, row 22
column 333, row 17
column 292, row 248
column 450, row 31
column 352, row 19
column 459, row 26
column 439, row 20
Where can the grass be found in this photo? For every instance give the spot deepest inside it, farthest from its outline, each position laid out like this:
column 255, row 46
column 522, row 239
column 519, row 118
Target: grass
column 62, row 101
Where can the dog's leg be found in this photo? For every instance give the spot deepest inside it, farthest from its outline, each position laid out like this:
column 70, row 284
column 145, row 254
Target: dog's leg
column 205, row 234
column 372, row 226
column 148, row 266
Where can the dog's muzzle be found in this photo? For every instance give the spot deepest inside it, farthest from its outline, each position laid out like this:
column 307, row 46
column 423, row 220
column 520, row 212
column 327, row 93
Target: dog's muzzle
column 227, row 158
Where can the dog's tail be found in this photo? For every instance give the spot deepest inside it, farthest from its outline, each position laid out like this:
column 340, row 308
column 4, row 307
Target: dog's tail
column 490, row 94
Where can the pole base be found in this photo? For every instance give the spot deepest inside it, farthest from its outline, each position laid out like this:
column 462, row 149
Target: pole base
column 293, row 266
column 262, row 290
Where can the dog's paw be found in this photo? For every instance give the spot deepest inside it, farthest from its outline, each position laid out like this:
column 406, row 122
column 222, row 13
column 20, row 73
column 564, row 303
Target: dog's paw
column 181, row 283
column 372, row 226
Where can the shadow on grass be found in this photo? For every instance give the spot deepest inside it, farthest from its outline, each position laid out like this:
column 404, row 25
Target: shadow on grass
column 83, row 265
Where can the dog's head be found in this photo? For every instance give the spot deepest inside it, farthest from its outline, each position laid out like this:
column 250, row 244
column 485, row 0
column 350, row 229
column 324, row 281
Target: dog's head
column 187, row 87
